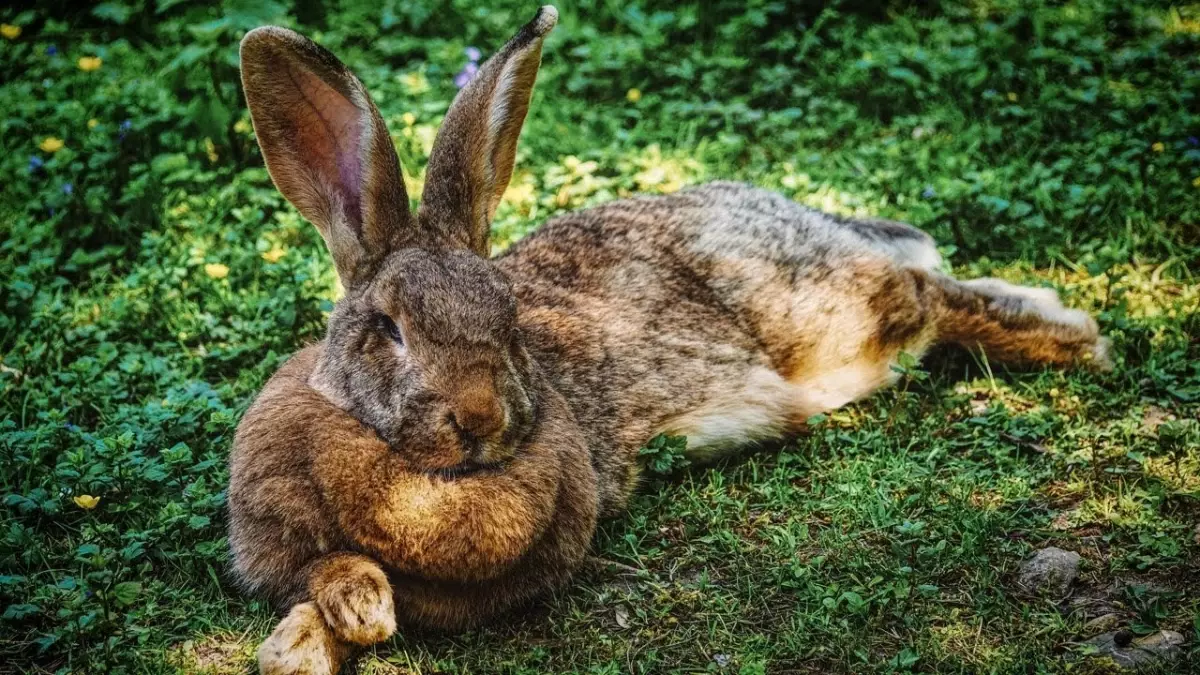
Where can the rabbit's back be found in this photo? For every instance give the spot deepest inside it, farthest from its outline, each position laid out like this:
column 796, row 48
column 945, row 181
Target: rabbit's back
column 725, row 313
column 740, row 219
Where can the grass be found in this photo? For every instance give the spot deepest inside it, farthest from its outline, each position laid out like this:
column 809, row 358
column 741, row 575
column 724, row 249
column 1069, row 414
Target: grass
column 151, row 280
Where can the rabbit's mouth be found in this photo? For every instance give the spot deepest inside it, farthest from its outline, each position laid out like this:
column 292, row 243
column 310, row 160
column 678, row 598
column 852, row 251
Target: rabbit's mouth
column 467, row 469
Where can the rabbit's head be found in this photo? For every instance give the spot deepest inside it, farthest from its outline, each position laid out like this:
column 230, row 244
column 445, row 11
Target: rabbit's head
column 423, row 347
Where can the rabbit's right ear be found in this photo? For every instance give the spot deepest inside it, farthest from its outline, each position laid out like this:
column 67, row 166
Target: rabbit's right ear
column 474, row 152
column 326, row 147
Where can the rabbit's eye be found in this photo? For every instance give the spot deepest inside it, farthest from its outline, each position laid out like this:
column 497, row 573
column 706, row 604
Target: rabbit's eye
column 388, row 326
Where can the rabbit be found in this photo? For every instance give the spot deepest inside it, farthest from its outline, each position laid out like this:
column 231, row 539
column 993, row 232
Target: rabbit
column 445, row 453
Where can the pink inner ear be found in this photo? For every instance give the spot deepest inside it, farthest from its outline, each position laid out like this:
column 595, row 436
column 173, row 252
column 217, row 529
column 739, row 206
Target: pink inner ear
column 329, row 130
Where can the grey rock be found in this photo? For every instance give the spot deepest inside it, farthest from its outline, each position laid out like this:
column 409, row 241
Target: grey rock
column 1155, row 650
column 1050, row 571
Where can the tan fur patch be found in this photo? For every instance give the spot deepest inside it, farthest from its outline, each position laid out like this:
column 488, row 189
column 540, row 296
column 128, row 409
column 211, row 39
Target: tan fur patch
column 764, row 406
column 841, row 348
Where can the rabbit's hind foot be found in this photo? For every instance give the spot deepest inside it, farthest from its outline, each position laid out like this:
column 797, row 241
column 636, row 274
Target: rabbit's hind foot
column 1020, row 325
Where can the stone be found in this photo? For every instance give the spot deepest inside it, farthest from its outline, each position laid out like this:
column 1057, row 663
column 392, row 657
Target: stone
column 1155, row 650
column 1050, row 571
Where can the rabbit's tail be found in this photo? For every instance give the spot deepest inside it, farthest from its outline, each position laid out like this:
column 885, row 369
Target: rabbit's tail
column 1018, row 324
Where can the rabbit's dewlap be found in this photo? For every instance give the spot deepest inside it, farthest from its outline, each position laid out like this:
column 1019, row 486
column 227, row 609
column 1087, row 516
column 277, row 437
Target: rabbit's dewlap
column 469, row 527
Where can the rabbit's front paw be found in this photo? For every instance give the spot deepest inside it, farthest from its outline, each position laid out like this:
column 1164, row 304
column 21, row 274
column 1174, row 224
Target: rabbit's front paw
column 357, row 604
column 300, row 645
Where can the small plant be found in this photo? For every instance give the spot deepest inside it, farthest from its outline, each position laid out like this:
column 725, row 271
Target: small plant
column 664, row 455
column 1151, row 606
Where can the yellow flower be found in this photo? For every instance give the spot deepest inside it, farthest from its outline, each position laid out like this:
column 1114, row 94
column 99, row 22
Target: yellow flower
column 415, row 83
column 216, row 270
column 1012, row 97
column 633, row 95
column 211, row 150
column 1196, row 182
column 1158, row 147
column 86, row 502
column 242, row 126
column 93, row 123
column 274, row 254
column 89, row 63
column 51, row 144
column 519, row 194
column 409, row 119
column 10, row 31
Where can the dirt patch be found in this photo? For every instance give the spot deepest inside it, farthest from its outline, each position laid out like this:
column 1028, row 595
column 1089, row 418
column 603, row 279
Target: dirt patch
column 224, row 654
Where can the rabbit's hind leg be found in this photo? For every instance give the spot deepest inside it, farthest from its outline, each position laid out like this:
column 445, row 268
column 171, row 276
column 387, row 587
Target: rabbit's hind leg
column 1019, row 324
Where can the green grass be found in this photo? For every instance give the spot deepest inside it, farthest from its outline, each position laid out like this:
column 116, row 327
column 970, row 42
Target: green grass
column 1048, row 143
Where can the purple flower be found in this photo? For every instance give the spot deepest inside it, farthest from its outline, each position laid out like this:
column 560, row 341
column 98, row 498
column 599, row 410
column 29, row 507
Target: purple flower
column 466, row 74
column 68, row 188
column 1193, row 141
column 929, row 192
column 35, row 163
column 51, row 51
column 473, row 53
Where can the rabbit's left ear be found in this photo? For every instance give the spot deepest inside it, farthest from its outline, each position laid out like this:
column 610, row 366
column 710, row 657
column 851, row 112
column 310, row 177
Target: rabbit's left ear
column 473, row 155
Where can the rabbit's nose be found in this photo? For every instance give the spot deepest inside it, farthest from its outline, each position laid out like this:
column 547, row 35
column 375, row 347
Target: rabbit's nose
column 479, row 414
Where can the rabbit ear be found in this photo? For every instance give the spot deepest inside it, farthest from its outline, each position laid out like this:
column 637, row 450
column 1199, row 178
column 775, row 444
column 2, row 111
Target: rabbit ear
column 473, row 155
column 326, row 147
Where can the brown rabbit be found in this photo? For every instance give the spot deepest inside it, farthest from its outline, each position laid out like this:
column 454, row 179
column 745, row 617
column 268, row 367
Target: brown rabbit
column 444, row 454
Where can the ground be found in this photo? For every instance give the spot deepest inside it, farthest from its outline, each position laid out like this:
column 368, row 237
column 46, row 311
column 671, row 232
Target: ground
column 151, row 279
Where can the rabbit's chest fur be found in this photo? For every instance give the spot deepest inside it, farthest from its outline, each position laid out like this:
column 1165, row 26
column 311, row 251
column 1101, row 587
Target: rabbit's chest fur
column 724, row 313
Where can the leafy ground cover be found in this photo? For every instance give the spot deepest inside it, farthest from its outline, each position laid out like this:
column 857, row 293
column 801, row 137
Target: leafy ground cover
column 151, row 279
